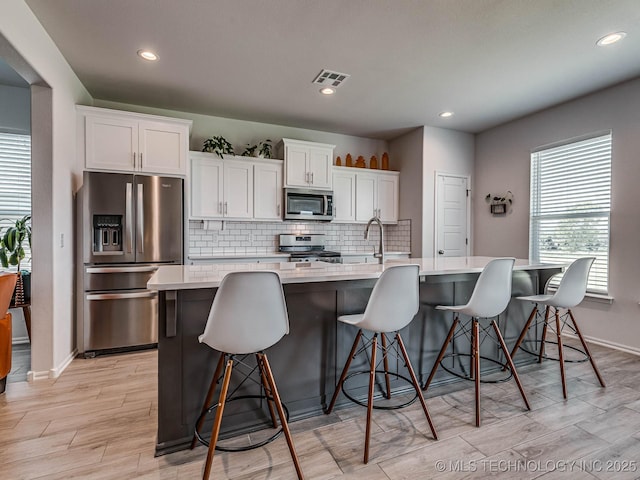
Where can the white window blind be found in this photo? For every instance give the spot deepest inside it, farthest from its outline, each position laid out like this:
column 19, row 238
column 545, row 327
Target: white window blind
column 15, row 183
column 570, row 205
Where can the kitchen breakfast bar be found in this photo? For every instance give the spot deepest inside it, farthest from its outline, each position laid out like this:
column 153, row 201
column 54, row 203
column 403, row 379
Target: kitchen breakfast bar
column 307, row 362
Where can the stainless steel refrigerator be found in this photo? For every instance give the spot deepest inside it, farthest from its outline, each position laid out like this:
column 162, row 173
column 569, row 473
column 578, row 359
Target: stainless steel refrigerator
column 128, row 225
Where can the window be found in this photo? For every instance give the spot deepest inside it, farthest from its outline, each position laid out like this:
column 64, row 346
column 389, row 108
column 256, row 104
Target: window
column 15, row 183
column 570, row 205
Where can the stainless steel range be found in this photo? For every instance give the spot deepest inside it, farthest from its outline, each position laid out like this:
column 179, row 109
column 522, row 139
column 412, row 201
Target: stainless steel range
column 307, row 248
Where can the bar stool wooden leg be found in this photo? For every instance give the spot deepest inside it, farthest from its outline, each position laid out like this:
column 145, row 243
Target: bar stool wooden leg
column 512, row 366
column 372, row 379
column 218, row 419
column 476, row 358
column 416, row 385
column 267, row 390
column 561, row 354
column 385, row 361
column 586, row 349
column 345, row 370
column 441, row 354
column 524, row 331
column 544, row 333
column 281, row 414
column 209, row 398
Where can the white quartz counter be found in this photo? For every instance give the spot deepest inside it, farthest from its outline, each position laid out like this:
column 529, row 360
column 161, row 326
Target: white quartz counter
column 179, row 277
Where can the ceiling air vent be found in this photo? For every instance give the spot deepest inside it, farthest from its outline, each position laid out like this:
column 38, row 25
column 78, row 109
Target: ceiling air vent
column 328, row 78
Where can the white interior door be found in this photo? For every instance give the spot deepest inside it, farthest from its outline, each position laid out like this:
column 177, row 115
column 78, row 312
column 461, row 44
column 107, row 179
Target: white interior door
column 452, row 215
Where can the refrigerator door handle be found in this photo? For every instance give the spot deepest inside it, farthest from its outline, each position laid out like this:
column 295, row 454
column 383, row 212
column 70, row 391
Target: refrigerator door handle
column 140, row 218
column 129, row 216
column 122, row 269
column 121, row 296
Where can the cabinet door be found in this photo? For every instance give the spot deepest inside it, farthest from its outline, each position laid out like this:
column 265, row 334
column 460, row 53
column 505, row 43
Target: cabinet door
column 296, row 166
column 206, row 188
column 238, row 189
column 388, row 198
column 319, row 167
column 366, row 196
column 344, row 196
column 111, row 143
column 267, row 200
column 163, row 148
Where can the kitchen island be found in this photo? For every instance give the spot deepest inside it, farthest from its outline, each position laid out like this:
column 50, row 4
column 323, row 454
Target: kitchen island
column 307, row 362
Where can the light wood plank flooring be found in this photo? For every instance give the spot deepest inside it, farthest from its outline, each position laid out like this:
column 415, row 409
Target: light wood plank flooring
column 98, row 421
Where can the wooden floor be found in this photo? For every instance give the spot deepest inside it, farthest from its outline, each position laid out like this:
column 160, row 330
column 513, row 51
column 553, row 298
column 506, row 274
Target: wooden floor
column 98, row 421
column 20, row 362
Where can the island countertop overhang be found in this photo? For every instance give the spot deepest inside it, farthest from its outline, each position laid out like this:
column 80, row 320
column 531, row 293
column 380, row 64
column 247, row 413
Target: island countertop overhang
column 181, row 277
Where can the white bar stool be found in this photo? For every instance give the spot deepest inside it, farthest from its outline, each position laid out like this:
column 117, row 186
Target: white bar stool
column 248, row 315
column 490, row 298
column 570, row 293
column 392, row 305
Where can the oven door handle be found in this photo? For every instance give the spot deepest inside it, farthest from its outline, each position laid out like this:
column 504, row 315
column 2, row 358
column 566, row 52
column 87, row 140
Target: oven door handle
column 121, row 269
column 121, row 296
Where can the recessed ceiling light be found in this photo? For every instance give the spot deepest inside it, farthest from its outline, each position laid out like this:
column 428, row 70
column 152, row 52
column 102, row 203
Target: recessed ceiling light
column 327, row 91
column 446, row 114
column 611, row 38
column 147, row 55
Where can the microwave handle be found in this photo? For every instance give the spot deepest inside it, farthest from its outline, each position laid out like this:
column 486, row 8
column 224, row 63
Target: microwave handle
column 326, row 204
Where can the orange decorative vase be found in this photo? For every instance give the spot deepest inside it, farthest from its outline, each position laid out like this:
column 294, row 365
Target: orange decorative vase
column 373, row 163
column 385, row 161
column 338, row 161
column 360, row 163
column 348, row 160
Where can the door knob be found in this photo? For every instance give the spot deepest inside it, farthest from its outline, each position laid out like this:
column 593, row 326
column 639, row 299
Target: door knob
column 440, row 252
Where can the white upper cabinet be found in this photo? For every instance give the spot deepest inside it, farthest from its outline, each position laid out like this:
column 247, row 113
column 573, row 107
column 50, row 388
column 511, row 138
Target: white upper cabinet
column 132, row 142
column 206, row 186
column 307, row 164
column 220, row 189
column 267, row 191
column 377, row 195
column 234, row 188
column 344, row 195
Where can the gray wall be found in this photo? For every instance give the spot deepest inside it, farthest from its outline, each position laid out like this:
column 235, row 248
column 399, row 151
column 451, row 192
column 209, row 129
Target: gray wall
column 15, row 117
column 502, row 163
column 419, row 155
column 15, row 110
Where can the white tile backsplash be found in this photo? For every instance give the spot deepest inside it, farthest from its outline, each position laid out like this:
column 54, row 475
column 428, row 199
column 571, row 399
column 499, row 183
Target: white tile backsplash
column 237, row 238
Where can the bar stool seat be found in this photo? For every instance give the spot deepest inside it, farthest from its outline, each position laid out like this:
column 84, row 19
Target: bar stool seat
column 570, row 293
column 392, row 305
column 248, row 315
column 489, row 299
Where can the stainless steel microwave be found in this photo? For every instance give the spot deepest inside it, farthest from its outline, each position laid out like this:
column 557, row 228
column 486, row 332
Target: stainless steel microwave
column 308, row 204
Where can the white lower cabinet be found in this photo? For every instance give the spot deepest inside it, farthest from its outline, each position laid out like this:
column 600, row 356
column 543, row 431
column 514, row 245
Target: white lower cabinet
column 361, row 194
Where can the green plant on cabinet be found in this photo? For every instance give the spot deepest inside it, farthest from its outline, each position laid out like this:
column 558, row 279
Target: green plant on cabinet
column 265, row 149
column 218, row 145
column 249, row 150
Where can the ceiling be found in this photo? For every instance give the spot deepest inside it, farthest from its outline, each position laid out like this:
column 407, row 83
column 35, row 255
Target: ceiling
column 489, row 61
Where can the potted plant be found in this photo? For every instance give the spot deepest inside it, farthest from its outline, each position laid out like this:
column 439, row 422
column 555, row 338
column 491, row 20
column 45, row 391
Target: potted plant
column 249, row 150
column 12, row 253
column 218, row 145
column 264, row 149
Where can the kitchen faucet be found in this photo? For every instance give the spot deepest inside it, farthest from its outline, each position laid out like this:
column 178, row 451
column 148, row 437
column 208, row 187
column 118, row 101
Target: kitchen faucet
column 380, row 254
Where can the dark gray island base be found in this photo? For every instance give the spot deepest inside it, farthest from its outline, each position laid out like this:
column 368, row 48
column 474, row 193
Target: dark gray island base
column 307, row 362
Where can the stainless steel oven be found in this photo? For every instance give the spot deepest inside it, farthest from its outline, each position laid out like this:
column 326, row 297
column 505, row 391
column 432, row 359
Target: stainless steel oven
column 308, row 204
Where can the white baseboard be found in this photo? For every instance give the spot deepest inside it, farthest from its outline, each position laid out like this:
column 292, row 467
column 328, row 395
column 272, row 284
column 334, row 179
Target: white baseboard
column 608, row 344
column 54, row 372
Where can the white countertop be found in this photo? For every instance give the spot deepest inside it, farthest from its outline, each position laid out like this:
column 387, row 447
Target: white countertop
column 179, row 277
column 233, row 256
